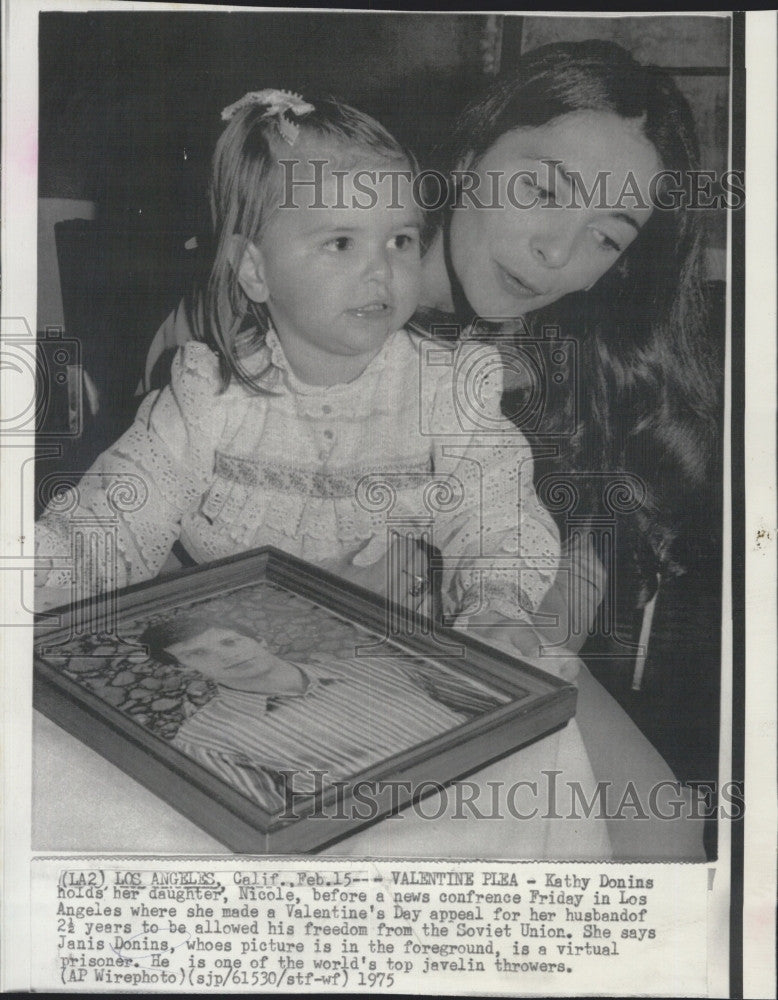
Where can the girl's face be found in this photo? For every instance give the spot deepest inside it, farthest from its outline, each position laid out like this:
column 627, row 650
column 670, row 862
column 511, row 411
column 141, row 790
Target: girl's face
column 571, row 196
column 339, row 272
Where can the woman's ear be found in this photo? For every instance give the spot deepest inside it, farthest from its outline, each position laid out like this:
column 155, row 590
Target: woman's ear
column 250, row 269
column 464, row 164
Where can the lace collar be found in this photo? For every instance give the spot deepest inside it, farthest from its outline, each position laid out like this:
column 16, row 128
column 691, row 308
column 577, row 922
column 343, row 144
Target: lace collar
column 274, row 373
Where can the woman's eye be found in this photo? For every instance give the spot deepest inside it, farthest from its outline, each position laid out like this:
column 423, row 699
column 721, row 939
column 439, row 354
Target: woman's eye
column 228, row 642
column 544, row 194
column 339, row 243
column 606, row 243
column 403, row 241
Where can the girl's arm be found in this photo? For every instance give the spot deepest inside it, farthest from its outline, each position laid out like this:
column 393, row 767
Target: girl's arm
column 500, row 546
column 117, row 526
column 564, row 617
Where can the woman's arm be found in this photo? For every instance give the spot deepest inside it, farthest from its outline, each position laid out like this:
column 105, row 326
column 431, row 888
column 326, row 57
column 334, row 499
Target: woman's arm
column 499, row 545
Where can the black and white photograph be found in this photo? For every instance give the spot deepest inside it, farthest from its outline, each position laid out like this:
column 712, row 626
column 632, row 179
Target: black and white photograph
column 387, row 434
column 568, row 401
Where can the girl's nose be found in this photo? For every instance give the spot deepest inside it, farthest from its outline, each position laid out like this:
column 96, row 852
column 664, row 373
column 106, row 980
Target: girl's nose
column 379, row 266
column 553, row 241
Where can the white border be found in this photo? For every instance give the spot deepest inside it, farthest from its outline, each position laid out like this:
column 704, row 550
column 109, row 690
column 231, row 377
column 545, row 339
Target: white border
column 19, row 258
column 759, row 969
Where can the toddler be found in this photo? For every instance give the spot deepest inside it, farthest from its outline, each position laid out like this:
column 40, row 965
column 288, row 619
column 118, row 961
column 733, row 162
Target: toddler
column 312, row 419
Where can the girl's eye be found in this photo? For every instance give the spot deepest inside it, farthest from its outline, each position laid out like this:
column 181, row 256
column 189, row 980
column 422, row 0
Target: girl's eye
column 200, row 651
column 228, row 642
column 338, row 244
column 403, row 241
column 606, row 243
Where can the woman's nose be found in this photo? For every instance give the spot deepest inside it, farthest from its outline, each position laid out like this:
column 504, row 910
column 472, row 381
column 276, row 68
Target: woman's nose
column 553, row 241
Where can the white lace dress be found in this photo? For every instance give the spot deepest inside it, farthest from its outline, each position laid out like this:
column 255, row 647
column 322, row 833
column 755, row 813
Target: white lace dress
column 321, row 472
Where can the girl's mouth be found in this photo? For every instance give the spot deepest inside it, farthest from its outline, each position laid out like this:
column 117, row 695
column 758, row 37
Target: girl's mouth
column 371, row 310
column 515, row 286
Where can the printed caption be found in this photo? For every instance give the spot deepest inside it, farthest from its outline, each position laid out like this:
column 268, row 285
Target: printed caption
column 366, row 926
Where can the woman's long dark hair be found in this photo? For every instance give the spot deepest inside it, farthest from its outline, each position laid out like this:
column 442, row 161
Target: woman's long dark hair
column 647, row 359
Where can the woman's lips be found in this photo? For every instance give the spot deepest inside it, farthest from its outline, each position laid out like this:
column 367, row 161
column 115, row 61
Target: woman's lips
column 516, row 286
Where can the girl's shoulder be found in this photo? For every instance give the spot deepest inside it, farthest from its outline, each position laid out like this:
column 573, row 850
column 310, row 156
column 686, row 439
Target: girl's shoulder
column 197, row 368
column 197, row 362
column 414, row 358
column 443, row 359
column 458, row 383
column 197, row 396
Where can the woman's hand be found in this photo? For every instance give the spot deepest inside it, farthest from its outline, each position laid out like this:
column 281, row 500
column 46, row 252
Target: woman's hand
column 570, row 605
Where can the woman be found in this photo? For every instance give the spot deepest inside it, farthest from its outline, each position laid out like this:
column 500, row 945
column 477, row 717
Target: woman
column 622, row 281
column 643, row 399
column 620, row 278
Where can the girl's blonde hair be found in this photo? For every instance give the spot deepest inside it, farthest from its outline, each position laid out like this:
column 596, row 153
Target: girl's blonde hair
column 245, row 192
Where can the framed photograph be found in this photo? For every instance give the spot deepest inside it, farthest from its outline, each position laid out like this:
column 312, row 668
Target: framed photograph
column 279, row 707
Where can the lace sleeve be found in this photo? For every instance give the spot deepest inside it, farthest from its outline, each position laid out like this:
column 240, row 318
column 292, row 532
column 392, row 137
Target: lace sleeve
column 117, row 526
column 500, row 546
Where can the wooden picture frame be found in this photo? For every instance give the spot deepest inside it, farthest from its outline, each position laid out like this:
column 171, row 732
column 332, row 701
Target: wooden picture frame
column 98, row 681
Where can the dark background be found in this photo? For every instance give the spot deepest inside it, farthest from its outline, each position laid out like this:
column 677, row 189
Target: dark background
column 129, row 112
column 130, row 109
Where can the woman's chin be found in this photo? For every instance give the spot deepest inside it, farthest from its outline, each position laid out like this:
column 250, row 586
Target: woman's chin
column 499, row 308
column 490, row 301
column 499, row 311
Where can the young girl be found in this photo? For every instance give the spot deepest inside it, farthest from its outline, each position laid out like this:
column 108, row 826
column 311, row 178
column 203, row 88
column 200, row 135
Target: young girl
column 312, row 420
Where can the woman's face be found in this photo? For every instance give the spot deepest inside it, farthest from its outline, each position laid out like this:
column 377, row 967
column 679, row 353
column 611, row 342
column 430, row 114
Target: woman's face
column 570, row 197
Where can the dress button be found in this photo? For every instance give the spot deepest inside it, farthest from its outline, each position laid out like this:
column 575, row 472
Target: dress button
column 328, row 434
column 326, row 408
column 322, row 456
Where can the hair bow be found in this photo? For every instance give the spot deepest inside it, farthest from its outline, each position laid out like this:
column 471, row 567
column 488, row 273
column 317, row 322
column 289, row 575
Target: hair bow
column 278, row 104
